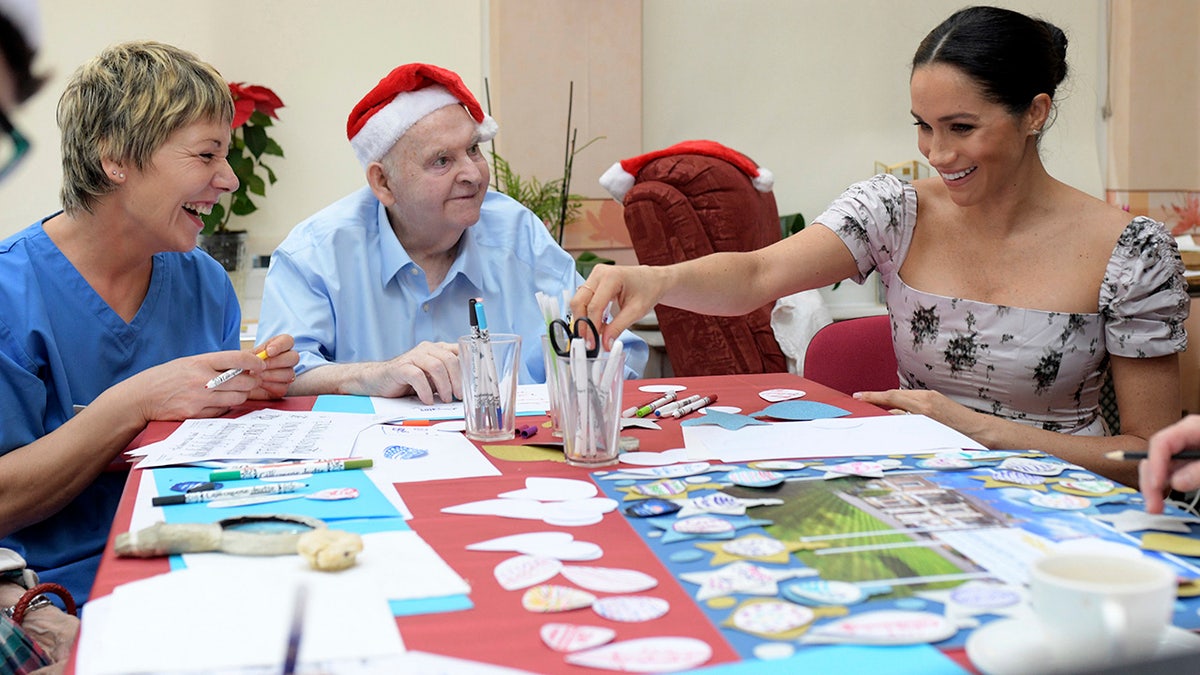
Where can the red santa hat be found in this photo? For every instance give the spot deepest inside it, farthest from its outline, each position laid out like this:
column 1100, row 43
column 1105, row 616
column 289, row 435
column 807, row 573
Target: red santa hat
column 400, row 100
column 621, row 176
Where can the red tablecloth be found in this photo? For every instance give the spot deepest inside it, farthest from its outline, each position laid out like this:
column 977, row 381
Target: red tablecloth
column 498, row 630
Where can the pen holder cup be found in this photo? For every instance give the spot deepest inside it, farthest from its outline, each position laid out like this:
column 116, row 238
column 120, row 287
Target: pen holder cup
column 489, row 382
column 550, row 361
column 590, row 416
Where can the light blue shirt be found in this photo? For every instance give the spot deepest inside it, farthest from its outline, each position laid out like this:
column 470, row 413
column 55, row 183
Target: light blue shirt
column 62, row 345
column 343, row 286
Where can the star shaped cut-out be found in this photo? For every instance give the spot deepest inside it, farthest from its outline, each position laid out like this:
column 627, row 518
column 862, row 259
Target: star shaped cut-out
column 1134, row 520
column 668, row 488
column 725, row 420
column 991, row 481
column 757, row 547
column 739, row 577
column 671, row 534
column 641, row 422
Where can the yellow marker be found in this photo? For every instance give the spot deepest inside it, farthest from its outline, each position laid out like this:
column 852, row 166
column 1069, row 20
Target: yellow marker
column 231, row 373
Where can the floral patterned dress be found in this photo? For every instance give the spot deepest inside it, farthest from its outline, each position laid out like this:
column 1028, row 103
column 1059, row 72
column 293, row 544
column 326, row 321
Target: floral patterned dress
column 1037, row 367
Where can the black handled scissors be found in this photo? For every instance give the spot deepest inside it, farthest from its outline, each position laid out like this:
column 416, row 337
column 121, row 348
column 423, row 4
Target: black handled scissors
column 561, row 335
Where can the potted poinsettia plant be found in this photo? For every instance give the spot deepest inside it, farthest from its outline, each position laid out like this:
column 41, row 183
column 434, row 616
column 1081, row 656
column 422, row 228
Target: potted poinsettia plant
column 255, row 107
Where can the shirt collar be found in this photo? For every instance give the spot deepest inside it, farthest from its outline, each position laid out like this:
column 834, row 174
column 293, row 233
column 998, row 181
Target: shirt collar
column 393, row 257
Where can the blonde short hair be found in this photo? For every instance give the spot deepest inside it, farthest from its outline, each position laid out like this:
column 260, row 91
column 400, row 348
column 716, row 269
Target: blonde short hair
column 123, row 104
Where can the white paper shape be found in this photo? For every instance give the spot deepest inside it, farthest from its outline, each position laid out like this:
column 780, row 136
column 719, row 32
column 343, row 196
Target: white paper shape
column 520, row 542
column 737, row 577
column 570, row 637
column 523, row 571
column 549, row 598
column 608, row 579
column 646, row 655
column 661, row 388
column 553, row 489
column 574, row 551
column 673, row 456
column 883, row 627
column 525, row 509
column 777, row 395
column 1136, row 520
column 631, row 608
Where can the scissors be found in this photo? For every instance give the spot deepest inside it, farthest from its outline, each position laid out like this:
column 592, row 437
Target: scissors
column 561, row 335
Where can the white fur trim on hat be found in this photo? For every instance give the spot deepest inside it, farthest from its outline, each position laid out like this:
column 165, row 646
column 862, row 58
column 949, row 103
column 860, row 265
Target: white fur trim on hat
column 386, row 126
column 617, row 181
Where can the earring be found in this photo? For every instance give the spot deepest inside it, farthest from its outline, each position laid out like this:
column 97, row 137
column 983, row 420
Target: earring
column 1035, row 132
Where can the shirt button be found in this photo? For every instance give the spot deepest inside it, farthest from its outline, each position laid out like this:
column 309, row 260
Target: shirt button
column 414, row 271
column 425, row 307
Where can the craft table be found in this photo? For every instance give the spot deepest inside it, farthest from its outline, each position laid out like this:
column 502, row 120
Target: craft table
column 497, row 629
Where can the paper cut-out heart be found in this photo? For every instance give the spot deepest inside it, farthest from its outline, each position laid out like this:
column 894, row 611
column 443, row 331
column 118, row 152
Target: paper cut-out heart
column 646, row 655
column 608, row 579
column 570, row 637
column 631, row 608
column 525, row 509
column 777, row 395
column 524, row 571
column 552, row 598
column 884, row 627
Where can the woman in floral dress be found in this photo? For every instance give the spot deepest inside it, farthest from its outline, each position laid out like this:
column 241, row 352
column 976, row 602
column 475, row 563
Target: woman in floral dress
column 1012, row 295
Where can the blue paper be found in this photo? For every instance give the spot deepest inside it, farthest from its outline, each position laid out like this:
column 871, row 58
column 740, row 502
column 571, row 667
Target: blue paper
column 370, row 503
column 922, row 659
column 344, row 403
column 725, row 420
column 801, row 410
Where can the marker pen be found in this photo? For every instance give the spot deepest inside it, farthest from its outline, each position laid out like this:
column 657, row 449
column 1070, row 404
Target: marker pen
column 693, row 407
column 675, row 405
column 227, row 493
column 231, row 373
column 655, row 404
column 288, row 469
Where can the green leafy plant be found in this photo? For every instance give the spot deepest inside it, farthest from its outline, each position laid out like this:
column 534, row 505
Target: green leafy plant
column 254, row 108
column 546, row 200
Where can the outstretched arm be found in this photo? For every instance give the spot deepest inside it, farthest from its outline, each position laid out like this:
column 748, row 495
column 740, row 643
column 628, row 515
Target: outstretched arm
column 722, row 284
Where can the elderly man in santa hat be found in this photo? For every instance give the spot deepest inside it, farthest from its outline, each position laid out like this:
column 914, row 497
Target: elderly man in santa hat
column 375, row 287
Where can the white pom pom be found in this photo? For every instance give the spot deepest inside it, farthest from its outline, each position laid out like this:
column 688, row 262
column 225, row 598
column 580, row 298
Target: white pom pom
column 764, row 181
column 617, row 181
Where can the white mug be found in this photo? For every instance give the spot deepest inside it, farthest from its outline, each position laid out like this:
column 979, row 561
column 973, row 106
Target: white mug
column 1101, row 609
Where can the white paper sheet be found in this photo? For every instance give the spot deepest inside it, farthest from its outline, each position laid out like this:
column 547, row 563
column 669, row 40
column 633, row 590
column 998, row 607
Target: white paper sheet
column 398, row 565
column 448, row 455
column 208, row 620
column 265, row 435
column 840, row 437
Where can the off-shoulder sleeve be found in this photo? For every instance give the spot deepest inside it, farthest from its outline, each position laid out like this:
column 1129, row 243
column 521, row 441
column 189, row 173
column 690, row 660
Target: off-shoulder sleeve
column 874, row 219
column 1144, row 296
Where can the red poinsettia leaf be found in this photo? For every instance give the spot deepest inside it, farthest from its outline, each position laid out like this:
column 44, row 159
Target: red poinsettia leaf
column 265, row 100
column 242, row 109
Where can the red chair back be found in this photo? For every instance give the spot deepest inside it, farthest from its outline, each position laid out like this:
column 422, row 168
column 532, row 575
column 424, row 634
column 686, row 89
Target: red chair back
column 853, row 355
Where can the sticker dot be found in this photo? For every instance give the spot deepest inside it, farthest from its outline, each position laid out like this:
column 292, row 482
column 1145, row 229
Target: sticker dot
column 690, row 555
column 773, row 651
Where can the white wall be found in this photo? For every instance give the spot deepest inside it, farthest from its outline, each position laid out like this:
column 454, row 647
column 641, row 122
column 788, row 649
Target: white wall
column 320, row 57
column 815, row 90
